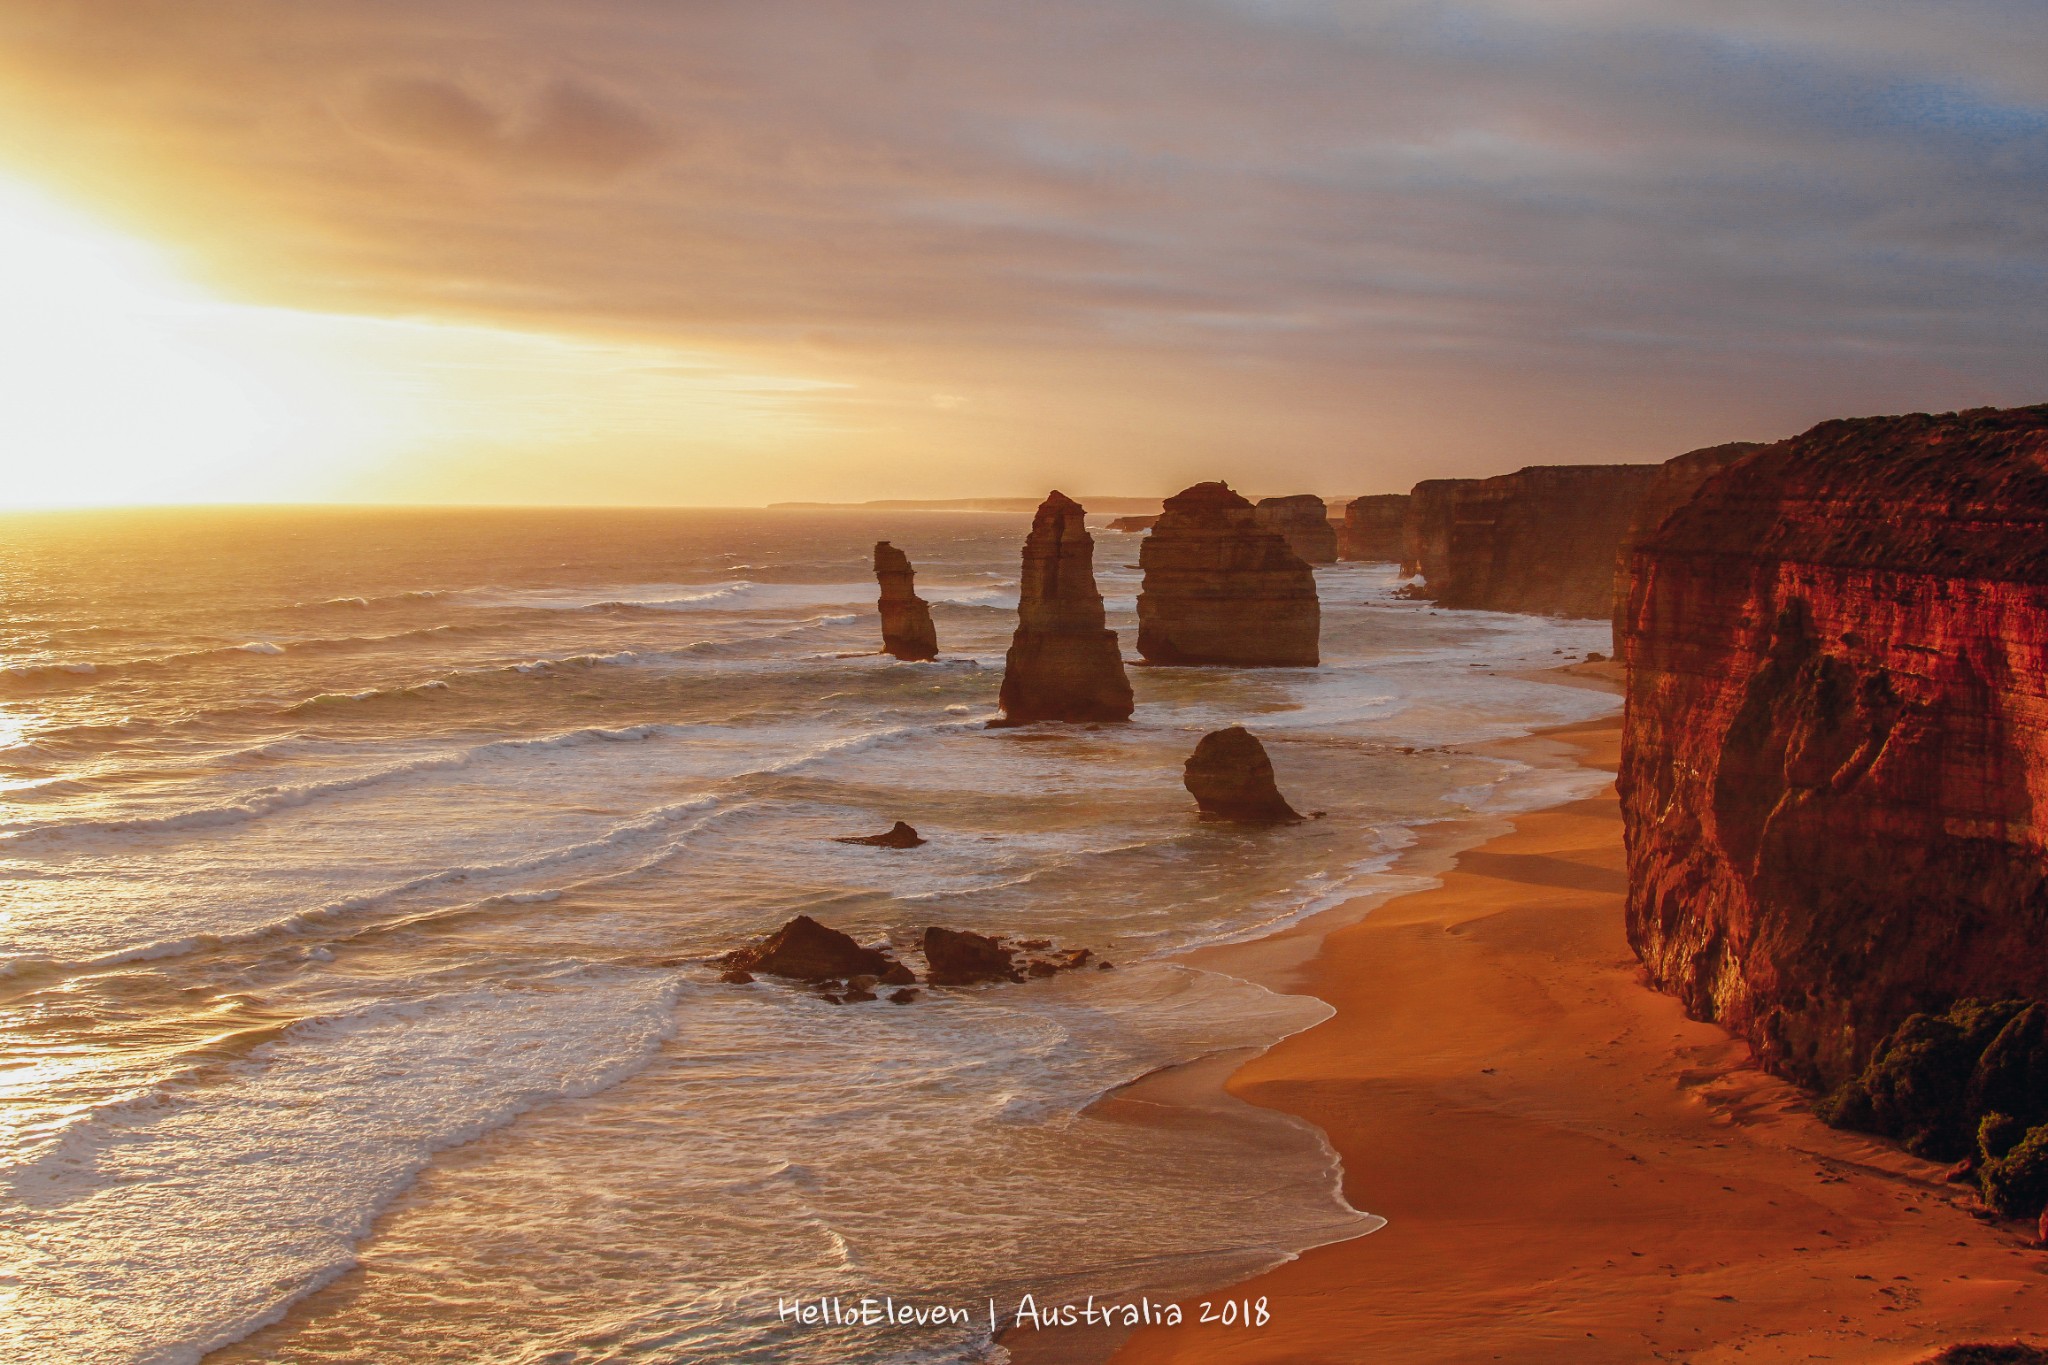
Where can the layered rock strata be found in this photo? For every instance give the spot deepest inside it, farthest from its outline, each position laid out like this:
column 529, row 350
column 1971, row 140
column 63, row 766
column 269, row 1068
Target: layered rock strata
column 1221, row 589
column 1674, row 485
column 1304, row 519
column 1539, row 540
column 1373, row 527
column 1063, row 662
column 1834, row 773
column 1231, row 778
column 907, row 629
column 1426, row 527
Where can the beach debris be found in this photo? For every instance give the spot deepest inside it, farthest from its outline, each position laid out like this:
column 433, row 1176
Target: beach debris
column 806, row 950
column 907, row 630
column 899, row 835
column 1231, row 778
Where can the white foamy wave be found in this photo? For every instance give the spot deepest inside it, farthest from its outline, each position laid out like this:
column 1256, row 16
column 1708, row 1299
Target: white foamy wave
column 261, row 647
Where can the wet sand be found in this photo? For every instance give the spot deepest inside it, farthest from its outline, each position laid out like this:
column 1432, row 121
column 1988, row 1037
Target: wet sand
column 1571, row 1169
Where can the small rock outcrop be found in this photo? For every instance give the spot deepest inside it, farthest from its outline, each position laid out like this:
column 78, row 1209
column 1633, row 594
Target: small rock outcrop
column 1063, row 662
column 1373, row 527
column 959, row 957
column 809, row 951
column 1304, row 519
column 1231, row 778
column 1426, row 528
column 1834, row 768
column 1132, row 525
column 1221, row 589
column 1540, row 540
column 907, row 629
column 899, row 835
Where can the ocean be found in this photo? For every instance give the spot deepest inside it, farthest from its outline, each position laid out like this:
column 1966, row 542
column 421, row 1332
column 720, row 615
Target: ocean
column 358, row 868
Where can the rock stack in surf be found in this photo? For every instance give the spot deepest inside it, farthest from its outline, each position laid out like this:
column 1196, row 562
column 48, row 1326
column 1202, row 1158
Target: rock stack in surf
column 907, row 630
column 1222, row 589
column 1063, row 662
column 1304, row 519
column 1231, row 778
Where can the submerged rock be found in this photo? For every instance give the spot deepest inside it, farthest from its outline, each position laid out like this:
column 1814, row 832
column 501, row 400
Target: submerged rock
column 1231, row 778
column 806, row 950
column 1221, row 589
column 899, row 835
column 959, row 957
column 1304, row 519
column 907, row 629
column 1063, row 662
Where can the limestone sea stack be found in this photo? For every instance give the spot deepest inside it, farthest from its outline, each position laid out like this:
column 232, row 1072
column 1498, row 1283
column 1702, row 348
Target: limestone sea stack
column 1063, row 662
column 1834, row 770
column 907, row 630
column 1304, row 519
column 1133, row 525
column 1231, row 778
column 1426, row 527
column 1221, row 589
column 1372, row 527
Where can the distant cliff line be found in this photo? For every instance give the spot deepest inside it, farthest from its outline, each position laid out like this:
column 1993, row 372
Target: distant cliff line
column 1097, row 506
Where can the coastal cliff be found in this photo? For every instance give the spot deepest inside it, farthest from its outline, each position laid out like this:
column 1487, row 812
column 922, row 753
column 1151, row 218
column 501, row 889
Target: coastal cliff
column 1540, row 540
column 907, row 630
column 1372, row 527
column 1063, row 662
column 1835, row 766
column 1304, row 519
column 1676, row 481
column 1426, row 527
column 1221, row 589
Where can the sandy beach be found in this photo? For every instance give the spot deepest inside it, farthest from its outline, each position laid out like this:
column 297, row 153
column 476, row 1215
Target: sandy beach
column 1570, row 1168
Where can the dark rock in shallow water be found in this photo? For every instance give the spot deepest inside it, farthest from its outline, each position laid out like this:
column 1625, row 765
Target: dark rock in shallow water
column 900, row 835
column 907, row 629
column 809, row 951
column 1231, row 778
column 904, row 996
column 736, row 977
column 957, row 957
column 857, row 996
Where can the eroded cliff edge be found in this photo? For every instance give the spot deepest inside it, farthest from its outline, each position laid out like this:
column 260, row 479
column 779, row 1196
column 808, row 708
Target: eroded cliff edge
column 1836, row 742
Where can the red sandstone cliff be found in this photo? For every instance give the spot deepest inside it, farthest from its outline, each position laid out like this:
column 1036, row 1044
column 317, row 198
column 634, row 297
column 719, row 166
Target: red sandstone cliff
column 1304, row 519
column 1541, row 540
column 1676, row 482
column 1834, row 774
column 907, row 629
column 1063, row 662
column 1221, row 589
column 1426, row 527
column 1372, row 527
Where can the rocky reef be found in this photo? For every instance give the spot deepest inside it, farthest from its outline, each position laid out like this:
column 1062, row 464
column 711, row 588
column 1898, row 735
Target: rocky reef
column 1426, row 527
column 1674, row 485
column 1539, row 540
column 899, row 835
column 1231, row 778
column 1304, row 519
column 1222, row 589
column 806, row 950
column 1063, row 662
column 1373, row 527
column 907, row 629
column 1834, row 772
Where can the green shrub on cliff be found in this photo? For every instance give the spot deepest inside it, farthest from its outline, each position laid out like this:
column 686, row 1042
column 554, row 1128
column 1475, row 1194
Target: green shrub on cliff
column 1972, row 1080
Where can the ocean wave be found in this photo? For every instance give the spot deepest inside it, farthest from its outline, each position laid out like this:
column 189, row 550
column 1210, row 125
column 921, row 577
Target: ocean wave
column 364, row 603
column 272, row 799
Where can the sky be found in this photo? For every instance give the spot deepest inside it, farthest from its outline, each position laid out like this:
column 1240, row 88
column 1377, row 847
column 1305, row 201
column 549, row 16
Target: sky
column 724, row 252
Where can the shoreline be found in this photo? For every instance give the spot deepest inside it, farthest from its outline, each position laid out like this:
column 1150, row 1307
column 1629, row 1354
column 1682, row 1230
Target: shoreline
column 1571, row 1169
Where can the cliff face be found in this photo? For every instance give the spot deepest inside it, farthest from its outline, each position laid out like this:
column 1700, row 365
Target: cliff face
column 1304, row 519
column 1063, row 662
column 1221, row 589
column 1372, row 527
column 1426, row 527
column 1676, row 481
column 907, row 630
column 1836, row 752
column 1541, row 539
